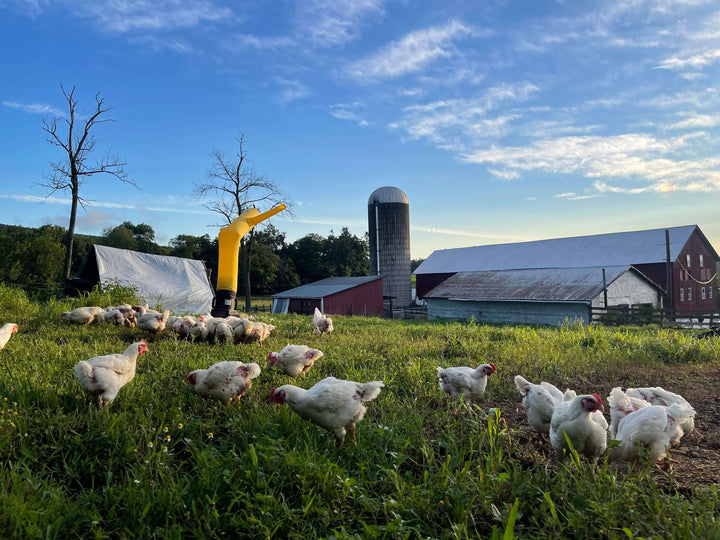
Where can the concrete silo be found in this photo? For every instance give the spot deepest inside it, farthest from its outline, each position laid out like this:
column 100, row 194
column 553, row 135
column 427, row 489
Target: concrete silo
column 389, row 234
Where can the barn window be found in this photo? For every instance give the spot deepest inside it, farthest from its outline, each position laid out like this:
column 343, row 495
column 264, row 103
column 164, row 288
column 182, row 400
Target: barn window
column 687, row 260
column 689, row 294
column 682, row 294
column 701, row 261
column 709, row 292
column 702, row 293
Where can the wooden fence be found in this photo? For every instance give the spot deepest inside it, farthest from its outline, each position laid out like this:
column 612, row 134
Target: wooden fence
column 616, row 315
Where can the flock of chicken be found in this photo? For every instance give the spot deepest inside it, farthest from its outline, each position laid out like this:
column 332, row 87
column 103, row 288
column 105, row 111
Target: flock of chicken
column 643, row 421
column 235, row 328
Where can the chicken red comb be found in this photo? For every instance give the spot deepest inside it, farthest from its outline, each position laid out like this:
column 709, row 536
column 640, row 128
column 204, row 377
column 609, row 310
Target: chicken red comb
column 492, row 366
column 598, row 398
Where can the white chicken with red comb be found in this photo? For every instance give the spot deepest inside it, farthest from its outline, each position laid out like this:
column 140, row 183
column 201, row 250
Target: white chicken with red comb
column 333, row 404
column 7, row 330
column 102, row 377
column 580, row 420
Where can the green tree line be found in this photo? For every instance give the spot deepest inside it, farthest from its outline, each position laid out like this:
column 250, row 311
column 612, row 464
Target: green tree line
column 32, row 258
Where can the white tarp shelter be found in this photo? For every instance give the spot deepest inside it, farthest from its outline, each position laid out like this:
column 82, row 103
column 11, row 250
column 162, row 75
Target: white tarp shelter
column 180, row 285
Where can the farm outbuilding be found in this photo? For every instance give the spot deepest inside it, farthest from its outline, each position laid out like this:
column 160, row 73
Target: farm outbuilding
column 360, row 295
column 539, row 295
column 174, row 283
column 678, row 260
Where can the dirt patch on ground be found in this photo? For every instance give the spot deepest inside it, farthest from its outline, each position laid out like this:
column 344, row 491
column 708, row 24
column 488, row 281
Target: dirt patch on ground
column 695, row 461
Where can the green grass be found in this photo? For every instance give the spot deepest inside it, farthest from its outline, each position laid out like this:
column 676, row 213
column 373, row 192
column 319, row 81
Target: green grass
column 161, row 462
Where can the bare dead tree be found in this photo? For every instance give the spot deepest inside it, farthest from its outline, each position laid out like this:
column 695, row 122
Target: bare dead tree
column 232, row 187
column 78, row 145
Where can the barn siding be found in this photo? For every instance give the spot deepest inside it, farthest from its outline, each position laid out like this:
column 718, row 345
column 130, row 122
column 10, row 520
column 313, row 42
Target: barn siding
column 550, row 313
column 696, row 245
column 361, row 300
column 629, row 289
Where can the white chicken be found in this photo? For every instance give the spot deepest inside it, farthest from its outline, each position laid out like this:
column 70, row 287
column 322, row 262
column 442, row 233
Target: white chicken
column 224, row 381
column 7, row 330
column 456, row 381
column 82, row 315
column 199, row 331
column 657, row 395
column 153, row 323
column 540, row 401
column 111, row 316
column 333, row 404
column 621, row 405
column 224, row 332
column 586, row 429
column 102, row 377
column 294, row 359
column 242, row 330
column 653, row 427
column 260, row 332
column 322, row 324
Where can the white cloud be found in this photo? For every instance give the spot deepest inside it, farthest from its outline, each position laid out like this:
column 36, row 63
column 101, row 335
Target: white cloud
column 505, row 174
column 455, row 123
column 347, row 111
column 697, row 121
column 103, row 204
column 128, row 15
column 411, row 53
column 34, row 108
column 334, row 22
column 694, row 61
column 456, row 232
column 637, row 157
column 292, row 90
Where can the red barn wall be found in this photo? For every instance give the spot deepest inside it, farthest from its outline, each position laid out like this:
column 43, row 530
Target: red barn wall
column 690, row 282
column 364, row 299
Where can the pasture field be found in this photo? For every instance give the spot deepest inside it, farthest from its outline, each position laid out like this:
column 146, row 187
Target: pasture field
column 161, row 462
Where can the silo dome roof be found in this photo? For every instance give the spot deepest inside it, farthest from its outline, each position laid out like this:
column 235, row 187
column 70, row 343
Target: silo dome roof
column 388, row 194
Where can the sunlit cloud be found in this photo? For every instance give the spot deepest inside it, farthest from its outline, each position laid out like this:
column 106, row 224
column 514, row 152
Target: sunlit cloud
column 697, row 121
column 631, row 156
column 695, row 61
column 464, row 233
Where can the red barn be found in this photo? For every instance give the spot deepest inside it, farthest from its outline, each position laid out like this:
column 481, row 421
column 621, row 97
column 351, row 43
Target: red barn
column 335, row 295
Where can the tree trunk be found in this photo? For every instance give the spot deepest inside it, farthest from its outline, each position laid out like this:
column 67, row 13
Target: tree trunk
column 70, row 237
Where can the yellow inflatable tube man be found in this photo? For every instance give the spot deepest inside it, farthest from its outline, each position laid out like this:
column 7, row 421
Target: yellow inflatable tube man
column 228, row 250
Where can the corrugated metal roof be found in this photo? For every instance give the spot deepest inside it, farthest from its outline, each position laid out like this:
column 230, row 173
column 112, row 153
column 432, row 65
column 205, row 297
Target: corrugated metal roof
column 613, row 249
column 387, row 194
column 531, row 285
column 326, row 287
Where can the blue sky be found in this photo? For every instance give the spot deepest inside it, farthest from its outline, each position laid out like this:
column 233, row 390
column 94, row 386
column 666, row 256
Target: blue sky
column 502, row 121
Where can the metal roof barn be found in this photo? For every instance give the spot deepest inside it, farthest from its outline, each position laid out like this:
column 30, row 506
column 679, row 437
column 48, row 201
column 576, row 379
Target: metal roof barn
column 614, row 249
column 539, row 296
column 361, row 295
column 679, row 260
